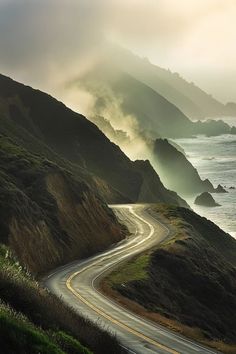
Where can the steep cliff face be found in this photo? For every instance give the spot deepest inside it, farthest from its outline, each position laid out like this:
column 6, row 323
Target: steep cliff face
column 46, row 215
column 91, row 225
column 177, row 172
column 153, row 186
column 77, row 229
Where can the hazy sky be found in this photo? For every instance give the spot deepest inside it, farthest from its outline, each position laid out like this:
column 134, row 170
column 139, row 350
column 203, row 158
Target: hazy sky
column 44, row 41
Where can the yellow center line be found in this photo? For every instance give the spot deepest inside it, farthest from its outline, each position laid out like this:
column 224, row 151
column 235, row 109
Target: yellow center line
column 113, row 320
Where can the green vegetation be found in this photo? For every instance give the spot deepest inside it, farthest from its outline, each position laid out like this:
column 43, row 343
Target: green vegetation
column 19, row 335
column 189, row 279
column 33, row 321
column 69, row 344
column 22, row 329
column 132, row 270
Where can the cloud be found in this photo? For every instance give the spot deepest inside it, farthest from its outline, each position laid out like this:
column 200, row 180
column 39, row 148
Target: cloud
column 42, row 41
column 46, row 39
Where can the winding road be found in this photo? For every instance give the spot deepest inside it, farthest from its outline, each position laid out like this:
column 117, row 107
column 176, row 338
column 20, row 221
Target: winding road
column 77, row 284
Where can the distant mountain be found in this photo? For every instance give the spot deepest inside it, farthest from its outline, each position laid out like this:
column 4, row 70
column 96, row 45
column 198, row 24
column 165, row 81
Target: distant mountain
column 153, row 112
column 117, row 136
column 190, row 99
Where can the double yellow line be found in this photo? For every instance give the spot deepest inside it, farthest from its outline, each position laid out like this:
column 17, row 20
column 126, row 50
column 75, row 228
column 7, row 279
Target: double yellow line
column 111, row 319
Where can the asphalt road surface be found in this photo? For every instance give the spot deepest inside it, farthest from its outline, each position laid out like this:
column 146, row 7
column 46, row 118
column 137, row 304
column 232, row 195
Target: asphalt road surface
column 77, row 284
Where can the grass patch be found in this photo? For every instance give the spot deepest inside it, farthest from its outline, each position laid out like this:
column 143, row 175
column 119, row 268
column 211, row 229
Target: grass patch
column 69, row 344
column 18, row 335
column 136, row 269
column 34, row 321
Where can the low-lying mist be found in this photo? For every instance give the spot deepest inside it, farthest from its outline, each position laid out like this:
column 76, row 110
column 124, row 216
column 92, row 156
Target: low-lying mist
column 100, row 104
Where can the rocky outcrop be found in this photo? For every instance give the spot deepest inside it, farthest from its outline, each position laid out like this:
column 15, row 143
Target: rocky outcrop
column 220, row 189
column 206, row 199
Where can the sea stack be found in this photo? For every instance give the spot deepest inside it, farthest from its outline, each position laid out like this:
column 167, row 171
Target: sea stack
column 206, row 199
column 220, row 189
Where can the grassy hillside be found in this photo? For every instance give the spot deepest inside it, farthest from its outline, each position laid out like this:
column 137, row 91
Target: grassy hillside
column 188, row 282
column 33, row 321
column 48, row 216
column 45, row 126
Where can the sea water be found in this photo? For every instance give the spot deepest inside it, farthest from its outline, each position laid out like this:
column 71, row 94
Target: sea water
column 215, row 159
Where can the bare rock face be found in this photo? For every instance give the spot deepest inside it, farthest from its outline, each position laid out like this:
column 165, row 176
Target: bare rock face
column 206, row 199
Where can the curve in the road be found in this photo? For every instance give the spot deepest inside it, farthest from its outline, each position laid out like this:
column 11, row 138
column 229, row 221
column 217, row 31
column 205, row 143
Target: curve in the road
column 104, row 314
column 77, row 283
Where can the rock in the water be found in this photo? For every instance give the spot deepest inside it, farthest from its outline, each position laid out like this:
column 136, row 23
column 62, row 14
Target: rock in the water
column 232, row 187
column 220, row 189
column 206, row 199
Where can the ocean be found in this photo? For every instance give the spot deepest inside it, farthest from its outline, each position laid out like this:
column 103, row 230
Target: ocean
column 215, row 158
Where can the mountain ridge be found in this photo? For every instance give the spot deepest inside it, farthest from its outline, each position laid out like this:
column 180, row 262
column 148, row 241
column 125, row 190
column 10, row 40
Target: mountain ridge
column 188, row 97
column 152, row 112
